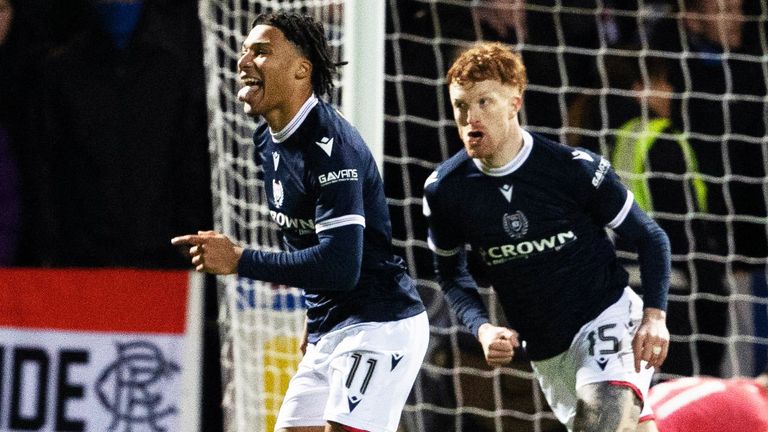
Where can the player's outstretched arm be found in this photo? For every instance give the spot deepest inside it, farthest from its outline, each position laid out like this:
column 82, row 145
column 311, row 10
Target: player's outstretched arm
column 333, row 264
column 498, row 344
column 211, row 252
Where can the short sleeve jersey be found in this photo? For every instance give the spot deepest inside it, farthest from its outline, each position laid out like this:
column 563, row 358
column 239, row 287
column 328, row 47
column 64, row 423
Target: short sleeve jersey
column 319, row 175
column 703, row 404
column 538, row 225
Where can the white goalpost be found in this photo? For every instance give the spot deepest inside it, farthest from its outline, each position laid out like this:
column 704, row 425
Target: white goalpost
column 584, row 70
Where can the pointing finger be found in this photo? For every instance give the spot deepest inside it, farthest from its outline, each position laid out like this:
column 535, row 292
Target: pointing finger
column 189, row 239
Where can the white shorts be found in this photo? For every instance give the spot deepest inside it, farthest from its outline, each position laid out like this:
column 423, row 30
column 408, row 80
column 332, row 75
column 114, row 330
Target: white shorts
column 359, row 376
column 601, row 351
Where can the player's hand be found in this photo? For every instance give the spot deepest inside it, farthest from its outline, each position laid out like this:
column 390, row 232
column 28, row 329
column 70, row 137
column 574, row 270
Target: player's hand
column 651, row 342
column 211, row 252
column 498, row 343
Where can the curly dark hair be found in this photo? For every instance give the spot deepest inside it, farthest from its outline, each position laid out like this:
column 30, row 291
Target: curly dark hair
column 309, row 36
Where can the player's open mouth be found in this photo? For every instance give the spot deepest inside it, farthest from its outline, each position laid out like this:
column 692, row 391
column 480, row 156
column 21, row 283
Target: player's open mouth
column 251, row 82
column 475, row 137
column 250, row 87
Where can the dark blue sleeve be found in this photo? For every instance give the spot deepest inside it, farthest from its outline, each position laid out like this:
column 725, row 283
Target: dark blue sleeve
column 334, row 264
column 460, row 290
column 653, row 252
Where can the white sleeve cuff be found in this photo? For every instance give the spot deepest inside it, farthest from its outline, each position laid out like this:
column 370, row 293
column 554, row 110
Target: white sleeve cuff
column 339, row 222
column 623, row 212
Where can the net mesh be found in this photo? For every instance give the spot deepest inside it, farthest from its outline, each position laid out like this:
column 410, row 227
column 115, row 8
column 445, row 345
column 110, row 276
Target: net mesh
column 601, row 74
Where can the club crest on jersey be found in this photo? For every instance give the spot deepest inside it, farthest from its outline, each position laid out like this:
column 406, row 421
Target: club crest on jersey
column 515, row 224
column 277, row 193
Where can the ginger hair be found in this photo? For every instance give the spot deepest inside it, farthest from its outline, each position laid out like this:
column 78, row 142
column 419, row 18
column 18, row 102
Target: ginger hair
column 488, row 61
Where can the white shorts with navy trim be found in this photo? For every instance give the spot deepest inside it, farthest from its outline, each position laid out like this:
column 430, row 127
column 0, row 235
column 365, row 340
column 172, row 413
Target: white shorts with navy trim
column 601, row 351
column 359, row 376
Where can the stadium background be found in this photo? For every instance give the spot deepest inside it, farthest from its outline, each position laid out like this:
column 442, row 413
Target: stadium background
column 575, row 51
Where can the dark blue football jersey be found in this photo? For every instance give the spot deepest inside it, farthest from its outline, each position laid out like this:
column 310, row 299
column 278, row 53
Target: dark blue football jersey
column 538, row 225
column 319, row 175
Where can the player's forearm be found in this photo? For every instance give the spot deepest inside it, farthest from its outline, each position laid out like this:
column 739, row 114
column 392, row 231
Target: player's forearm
column 332, row 265
column 466, row 304
column 654, row 255
column 460, row 291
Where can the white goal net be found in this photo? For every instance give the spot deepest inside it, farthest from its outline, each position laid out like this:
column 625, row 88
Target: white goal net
column 673, row 92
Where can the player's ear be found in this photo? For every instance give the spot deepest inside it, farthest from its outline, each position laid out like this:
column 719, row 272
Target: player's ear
column 515, row 104
column 304, row 69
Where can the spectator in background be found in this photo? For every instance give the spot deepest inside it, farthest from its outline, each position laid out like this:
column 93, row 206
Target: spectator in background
column 122, row 125
column 533, row 23
column 21, row 45
column 660, row 167
column 705, row 404
column 721, row 108
column 9, row 180
column 9, row 198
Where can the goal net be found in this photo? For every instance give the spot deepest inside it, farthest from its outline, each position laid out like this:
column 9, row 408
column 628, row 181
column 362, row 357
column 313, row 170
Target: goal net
column 645, row 83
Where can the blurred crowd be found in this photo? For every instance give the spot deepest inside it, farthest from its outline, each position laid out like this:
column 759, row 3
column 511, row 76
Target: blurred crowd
column 103, row 132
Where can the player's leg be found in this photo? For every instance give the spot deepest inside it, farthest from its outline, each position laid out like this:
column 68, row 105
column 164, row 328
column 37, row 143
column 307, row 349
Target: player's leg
column 610, row 394
column 373, row 370
column 604, row 406
column 307, row 394
column 557, row 380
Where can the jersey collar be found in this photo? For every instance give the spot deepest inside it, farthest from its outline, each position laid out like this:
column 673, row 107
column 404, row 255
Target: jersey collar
column 514, row 164
column 295, row 122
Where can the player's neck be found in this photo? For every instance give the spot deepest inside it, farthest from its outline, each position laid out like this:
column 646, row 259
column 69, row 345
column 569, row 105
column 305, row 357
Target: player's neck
column 279, row 118
column 507, row 152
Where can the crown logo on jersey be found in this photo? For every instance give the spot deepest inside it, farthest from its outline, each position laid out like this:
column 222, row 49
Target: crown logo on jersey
column 276, row 159
column 277, row 193
column 516, row 224
column 326, row 144
column 506, row 190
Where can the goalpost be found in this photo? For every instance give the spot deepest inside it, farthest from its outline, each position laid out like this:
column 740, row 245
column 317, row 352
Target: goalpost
column 570, row 48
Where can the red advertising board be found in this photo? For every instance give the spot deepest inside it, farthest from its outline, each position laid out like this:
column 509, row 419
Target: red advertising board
column 96, row 350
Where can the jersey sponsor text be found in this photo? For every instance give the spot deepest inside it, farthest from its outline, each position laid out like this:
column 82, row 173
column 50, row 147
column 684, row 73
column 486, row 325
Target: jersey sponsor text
column 602, row 168
column 500, row 254
column 349, row 174
column 286, row 222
